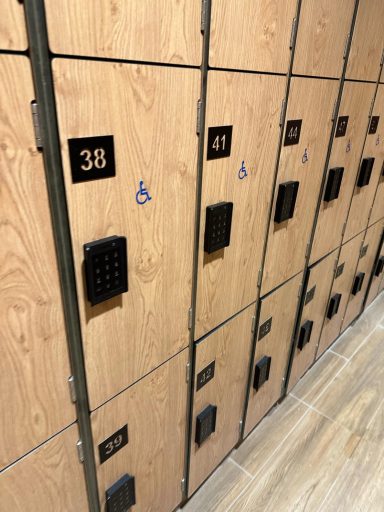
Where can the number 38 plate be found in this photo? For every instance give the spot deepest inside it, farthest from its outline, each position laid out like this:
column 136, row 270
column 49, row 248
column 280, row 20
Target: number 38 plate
column 92, row 158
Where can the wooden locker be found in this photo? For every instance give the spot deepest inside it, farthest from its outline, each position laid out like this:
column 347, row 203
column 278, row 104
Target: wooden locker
column 342, row 284
column 34, row 363
column 316, row 299
column 322, row 33
column 367, row 42
column 166, row 31
column 224, row 354
column 377, row 212
column 141, row 433
column 252, row 35
column 363, row 272
column 346, row 151
column 250, row 104
column 274, row 336
column 48, row 479
column 302, row 159
column 363, row 194
column 13, row 33
column 155, row 143
column 377, row 275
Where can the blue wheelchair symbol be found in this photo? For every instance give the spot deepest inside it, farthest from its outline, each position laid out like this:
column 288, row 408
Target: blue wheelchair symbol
column 305, row 157
column 378, row 140
column 349, row 146
column 242, row 171
column 142, row 195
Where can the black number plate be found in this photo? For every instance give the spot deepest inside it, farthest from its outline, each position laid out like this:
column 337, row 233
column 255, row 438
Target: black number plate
column 113, row 444
column 219, row 142
column 292, row 132
column 205, row 375
column 92, row 158
column 341, row 128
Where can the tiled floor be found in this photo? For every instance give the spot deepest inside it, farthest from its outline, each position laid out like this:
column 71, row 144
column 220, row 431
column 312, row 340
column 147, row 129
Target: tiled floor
column 322, row 449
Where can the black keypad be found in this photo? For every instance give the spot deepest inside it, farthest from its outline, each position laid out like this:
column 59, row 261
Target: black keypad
column 358, row 283
column 379, row 266
column 332, row 188
column 365, row 172
column 121, row 496
column 205, row 424
column 218, row 226
column 333, row 306
column 262, row 370
column 286, row 201
column 305, row 334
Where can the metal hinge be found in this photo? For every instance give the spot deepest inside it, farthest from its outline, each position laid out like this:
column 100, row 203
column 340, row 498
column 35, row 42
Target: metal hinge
column 346, row 46
column 259, row 278
column 307, row 250
column 282, row 112
column 80, row 451
column 36, row 124
column 344, row 228
column 190, row 318
column 198, row 117
column 72, row 388
column 188, row 372
column 293, row 33
column 382, row 58
column 240, row 426
column 334, row 110
column 253, row 324
column 204, row 12
column 183, row 485
column 300, row 290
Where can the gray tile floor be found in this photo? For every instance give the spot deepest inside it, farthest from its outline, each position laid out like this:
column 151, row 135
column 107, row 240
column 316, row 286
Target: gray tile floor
column 322, row 449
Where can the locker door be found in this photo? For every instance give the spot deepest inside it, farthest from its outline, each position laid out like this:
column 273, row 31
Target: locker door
column 48, row 479
column 368, row 41
column 274, row 336
column 248, row 107
column 221, row 374
column 302, row 160
column 13, row 33
column 321, row 37
column 154, row 31
column 378, row 273
column 362, row 274
column 345, row 273
column 315, row 303
column 346, row 151
column 34, row 364
column 363, row 194
column 150, row 201
column 377, row 212
column 251, row 35
column 141, row 433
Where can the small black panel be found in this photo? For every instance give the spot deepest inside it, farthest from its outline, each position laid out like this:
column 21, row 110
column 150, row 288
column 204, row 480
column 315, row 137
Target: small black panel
column 106, row 268
column 113, row 444
column 218, row 223
column 309, row 296
column 205, row 424
column 379, row 266
column 332, row 188
column 92, row 158
column 334, row 304
column 305, row 334
column 292, row 132
column 358, row 283
column 373, row 124
column 365, row 172
column 121, row 496
column 286, row 201
column 363, row 251
column 262, row 370
column 219, row 142
column 205, row 375
column 339, row 270
column 265, row 328
column 342, row 124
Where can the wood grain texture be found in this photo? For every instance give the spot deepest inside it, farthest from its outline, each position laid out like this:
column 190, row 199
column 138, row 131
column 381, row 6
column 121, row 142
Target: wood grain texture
column 34, row 364
column 155, row 31
column 281, row 305
column 321, row 276
column 227, row 279
column 13, row 33
column 48, row 479
column 251, row 35
column 230, row 348
column 363, row 196
column 346, row 152
column 311, row 100
column 349, row 256
column 155, row 411
column 321, row 37
column 377, row 212
column 129, row 335
column 365, row 265
column 375, row 285
column 367, row 42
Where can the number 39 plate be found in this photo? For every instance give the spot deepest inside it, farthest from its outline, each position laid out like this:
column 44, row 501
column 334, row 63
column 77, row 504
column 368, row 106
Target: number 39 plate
column 92, row 158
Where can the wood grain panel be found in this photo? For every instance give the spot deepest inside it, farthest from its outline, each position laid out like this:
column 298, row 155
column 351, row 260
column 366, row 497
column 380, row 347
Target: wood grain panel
column 321, row 37
column 349, row 256
column 50, row 478
column 375, row 284
column 312, row 101
column 363, row 196
column 227, row 279
column 346, row 152
column 129, row 335
column 281, row 306
column 368, row 42
column 155, row 411
column 13, row 33
column 251, row 35
column 365, row 265
column 155, row 31
column 320, row 276
column 377, row 212
column 230, row 348
column 34, row 364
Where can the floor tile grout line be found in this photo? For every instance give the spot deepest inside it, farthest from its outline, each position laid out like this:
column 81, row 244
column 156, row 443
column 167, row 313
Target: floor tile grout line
column 316, row 410
column 364, row 340
column 331, row 382
column 374, row 414
column 337, row 354
column 332, row 486
column 240, row 467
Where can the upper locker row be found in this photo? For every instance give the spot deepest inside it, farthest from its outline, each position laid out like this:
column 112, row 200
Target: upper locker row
column 132, row 31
